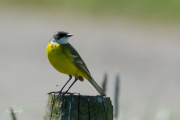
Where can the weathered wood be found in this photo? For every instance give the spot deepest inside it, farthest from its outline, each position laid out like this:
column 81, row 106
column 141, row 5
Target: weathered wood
column 78, row 107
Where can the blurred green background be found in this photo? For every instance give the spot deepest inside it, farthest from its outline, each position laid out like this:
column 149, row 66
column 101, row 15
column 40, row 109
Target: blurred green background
column 161, row 10
column 137, row 38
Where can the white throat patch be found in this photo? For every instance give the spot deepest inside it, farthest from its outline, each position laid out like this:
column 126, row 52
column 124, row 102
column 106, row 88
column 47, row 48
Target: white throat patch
column 63, row 40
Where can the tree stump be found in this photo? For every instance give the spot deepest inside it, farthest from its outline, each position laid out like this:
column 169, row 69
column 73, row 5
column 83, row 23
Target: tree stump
column 78, row 107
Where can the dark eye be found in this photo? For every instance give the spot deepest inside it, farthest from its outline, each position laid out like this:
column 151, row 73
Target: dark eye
column 58, row 36
column 61, row 35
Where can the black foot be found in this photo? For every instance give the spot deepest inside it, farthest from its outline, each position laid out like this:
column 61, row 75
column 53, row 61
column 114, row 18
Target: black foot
column 63, row 93
column 66, row 92
column 60, row 93
column 55, row 92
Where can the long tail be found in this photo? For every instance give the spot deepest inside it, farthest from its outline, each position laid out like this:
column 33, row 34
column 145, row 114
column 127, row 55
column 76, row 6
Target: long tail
column 97, row 87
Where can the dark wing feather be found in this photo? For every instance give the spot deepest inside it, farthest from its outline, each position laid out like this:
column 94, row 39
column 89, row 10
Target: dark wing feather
column 76, row 58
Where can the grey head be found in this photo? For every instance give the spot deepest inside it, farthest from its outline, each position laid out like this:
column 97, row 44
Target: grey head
column 61, row 37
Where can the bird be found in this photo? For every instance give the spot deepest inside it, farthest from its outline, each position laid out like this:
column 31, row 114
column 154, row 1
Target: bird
column 65, row 59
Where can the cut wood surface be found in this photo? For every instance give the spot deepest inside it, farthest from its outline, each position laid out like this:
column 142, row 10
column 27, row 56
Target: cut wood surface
column 78, row 107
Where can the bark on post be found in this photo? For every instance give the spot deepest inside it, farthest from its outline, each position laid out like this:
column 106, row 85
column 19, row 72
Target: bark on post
column 78, row 107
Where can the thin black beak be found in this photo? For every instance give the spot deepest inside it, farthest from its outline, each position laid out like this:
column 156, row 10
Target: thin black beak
column 69, row 35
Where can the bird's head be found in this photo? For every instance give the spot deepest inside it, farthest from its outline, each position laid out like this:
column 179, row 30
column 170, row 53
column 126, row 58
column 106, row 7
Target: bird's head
column 61, row 37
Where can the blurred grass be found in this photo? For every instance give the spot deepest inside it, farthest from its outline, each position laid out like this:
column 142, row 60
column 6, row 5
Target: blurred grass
column 162, row 10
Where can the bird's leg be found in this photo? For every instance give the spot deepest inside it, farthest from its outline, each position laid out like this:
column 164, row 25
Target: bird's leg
column 70, row 77
column 70, row 86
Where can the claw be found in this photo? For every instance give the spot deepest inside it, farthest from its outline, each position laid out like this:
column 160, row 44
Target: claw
column 51, row 92
column 55, row 92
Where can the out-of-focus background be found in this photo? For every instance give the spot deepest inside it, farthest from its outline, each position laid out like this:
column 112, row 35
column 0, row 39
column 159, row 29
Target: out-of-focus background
column 138, row 39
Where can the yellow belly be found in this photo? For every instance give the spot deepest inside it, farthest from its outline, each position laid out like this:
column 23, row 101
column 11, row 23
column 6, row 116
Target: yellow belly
column 60, row 60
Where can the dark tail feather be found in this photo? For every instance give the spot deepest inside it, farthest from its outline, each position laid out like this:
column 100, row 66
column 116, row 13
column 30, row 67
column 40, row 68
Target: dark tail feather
column 97, row 87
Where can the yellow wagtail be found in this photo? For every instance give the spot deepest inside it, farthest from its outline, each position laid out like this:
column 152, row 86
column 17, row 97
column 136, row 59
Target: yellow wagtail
column 65, row 59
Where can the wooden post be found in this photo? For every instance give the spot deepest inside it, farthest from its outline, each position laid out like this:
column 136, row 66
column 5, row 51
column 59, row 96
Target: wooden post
column 78, row 107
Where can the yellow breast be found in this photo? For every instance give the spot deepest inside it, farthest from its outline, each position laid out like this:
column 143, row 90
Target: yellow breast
column 59, row 59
